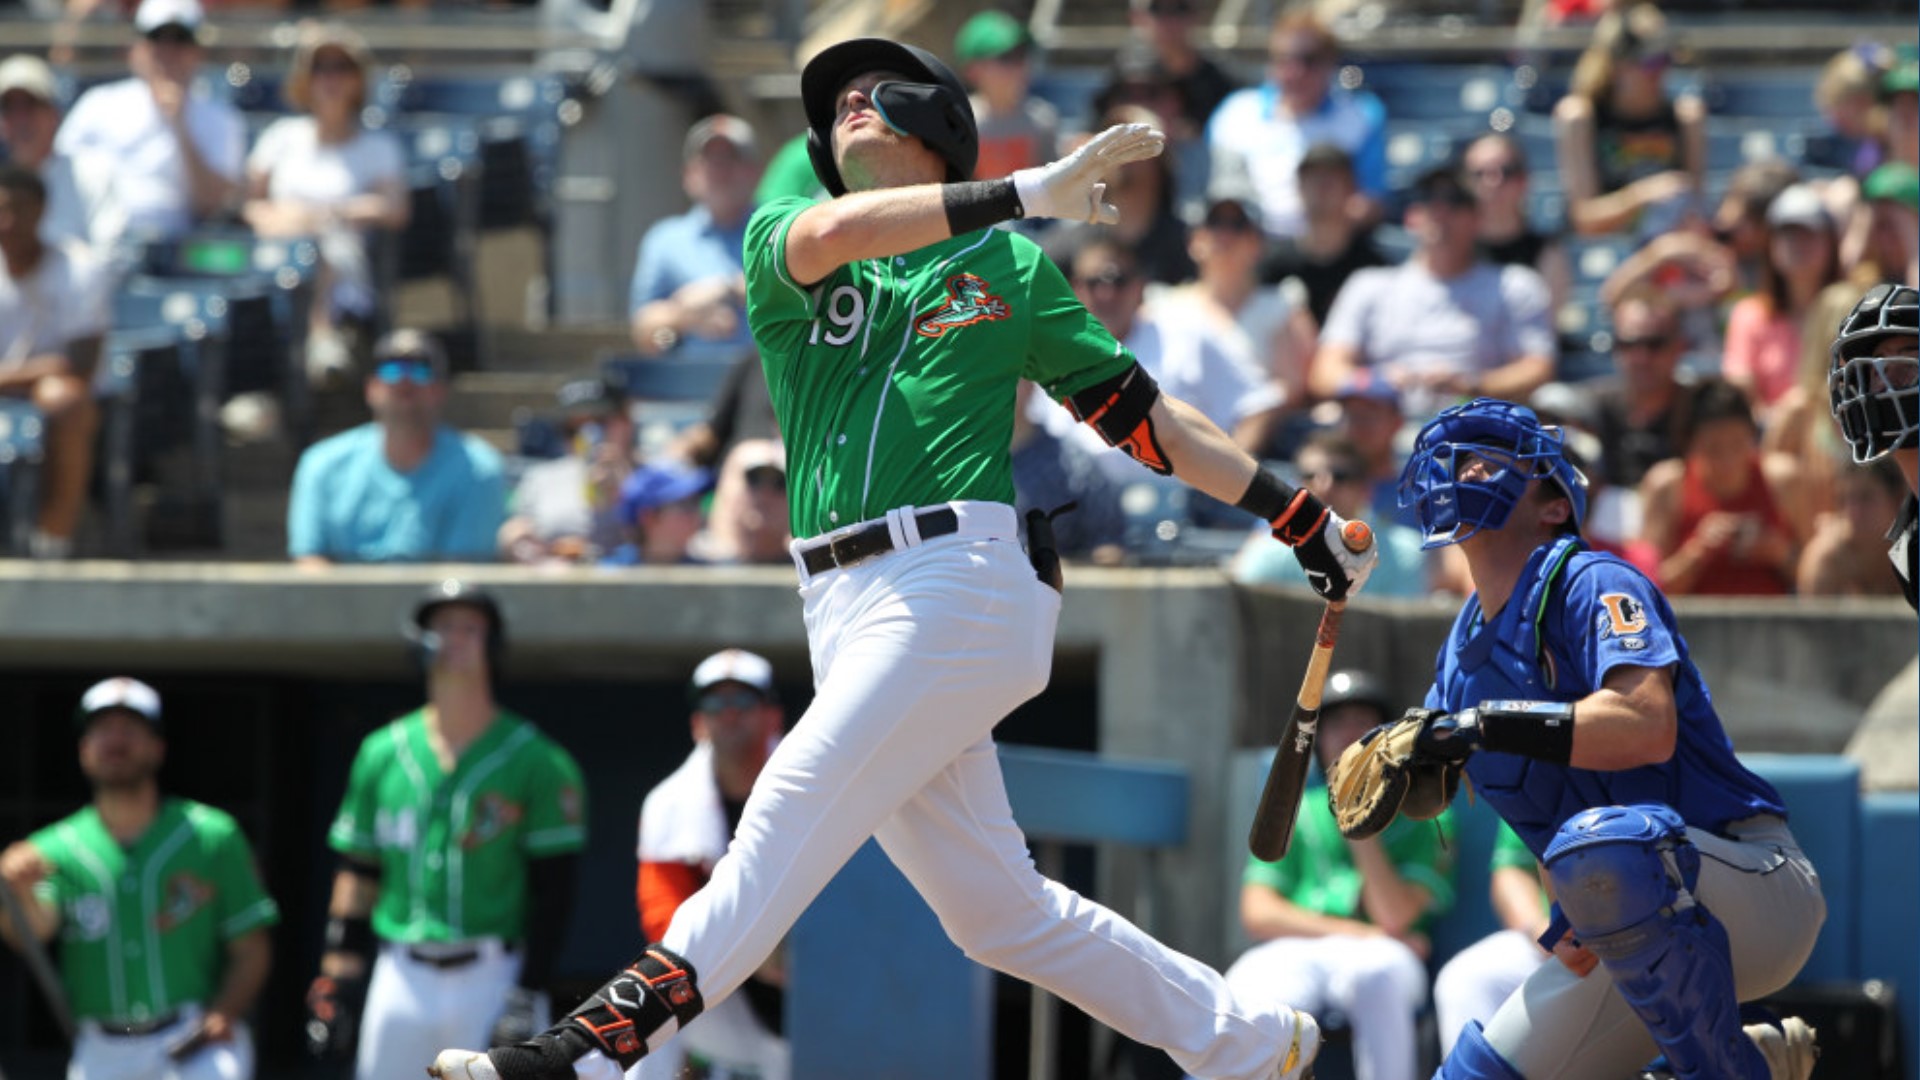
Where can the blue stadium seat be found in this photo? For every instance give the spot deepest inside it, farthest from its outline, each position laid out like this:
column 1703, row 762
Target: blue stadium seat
column 1889, row 945
column 1771, row 94
column 1436, row 91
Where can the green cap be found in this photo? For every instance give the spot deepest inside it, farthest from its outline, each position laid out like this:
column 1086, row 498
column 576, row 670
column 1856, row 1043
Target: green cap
column 987, row 35
column 1904, row 76
column 1896, row 181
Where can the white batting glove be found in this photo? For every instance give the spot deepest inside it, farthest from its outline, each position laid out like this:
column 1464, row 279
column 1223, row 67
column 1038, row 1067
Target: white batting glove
column 1075, row 187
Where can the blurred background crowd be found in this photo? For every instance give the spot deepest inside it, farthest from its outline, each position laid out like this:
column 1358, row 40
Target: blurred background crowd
column 254, row 262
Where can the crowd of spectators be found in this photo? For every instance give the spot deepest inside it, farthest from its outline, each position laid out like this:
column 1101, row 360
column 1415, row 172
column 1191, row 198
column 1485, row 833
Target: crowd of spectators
column 1271, row 268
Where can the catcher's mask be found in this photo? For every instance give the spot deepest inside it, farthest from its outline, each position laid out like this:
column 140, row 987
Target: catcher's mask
column 1507, row 437
column 1876, row 399
column 933, row 107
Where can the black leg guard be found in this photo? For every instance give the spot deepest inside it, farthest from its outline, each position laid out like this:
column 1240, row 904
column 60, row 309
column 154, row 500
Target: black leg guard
column 636, row 1012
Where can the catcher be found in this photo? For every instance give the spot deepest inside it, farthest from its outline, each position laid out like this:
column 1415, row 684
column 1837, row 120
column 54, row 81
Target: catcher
column 1564, row 693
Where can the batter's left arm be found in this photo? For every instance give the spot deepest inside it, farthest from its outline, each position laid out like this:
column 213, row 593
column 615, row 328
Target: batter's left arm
column 1201, row 454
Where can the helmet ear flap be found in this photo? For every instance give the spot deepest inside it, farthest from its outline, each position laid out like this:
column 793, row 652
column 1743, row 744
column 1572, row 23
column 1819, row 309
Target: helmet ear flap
column 820, row 152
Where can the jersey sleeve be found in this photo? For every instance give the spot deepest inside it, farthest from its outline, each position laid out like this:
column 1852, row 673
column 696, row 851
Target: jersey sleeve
column 1282, row 877
column 243, row 903
column 352, row 831
column 556, row 805
column 773, row 297
column 1422, row 854
column 1612, row 616
column 1070, row 350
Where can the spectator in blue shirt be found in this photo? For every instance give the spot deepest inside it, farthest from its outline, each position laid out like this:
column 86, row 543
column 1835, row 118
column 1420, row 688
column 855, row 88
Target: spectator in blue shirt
column 689, row 291
column 404, row 488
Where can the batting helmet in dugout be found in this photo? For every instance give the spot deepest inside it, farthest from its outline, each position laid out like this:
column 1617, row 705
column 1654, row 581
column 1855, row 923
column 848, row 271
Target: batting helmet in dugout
column 932, row 106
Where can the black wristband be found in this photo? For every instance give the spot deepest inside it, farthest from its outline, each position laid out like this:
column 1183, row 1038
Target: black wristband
column 980, row 204
column 351, row 935
column 1267, row 496
column 1542, row 730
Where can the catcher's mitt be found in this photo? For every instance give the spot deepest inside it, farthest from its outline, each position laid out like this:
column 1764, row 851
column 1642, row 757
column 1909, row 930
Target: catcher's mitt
column 1379, row 776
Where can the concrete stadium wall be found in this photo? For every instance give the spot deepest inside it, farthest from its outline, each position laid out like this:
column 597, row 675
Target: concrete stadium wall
column 1184, row 666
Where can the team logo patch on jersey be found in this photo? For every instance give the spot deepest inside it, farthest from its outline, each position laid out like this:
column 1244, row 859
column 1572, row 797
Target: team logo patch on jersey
column 1622, row 616
column 968, row 302
column 183, row 895
column 91, row 917
column 492, row 815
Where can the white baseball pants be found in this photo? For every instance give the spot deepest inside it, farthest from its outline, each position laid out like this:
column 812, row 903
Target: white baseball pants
column 916, row 656
column 414, row 1009
column 729, row 1040
column 1377, row 982
column 98, row 1056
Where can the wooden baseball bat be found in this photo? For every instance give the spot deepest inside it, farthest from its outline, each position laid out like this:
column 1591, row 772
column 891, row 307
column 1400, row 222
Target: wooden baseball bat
column 38, row 964
column 1287, row 780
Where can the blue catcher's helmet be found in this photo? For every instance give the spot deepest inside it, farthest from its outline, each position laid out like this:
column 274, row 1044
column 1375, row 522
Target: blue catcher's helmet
column 1507, row 436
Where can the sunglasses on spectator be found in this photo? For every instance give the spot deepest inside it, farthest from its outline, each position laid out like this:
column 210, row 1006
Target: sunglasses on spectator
column 1652, row 341
column 767, row 478
column 400, row 370
column 171, row 34
column 1111, row 277
column 1499, row 174
column 722, row 700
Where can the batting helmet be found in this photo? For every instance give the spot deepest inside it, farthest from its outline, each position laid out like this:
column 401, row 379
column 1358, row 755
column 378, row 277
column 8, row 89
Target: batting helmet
column 1354, row 687
column 931, row 105
column 1876, row 399
column 1507, row 436
column 446, row 593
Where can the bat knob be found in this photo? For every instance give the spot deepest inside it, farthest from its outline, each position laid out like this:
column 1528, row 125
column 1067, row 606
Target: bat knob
column 1357, row 535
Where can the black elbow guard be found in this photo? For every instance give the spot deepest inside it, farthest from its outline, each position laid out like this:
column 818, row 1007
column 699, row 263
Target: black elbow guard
column 1121, row 410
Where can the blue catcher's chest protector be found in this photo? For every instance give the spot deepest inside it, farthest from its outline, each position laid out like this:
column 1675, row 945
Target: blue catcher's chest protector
column 1574, row 615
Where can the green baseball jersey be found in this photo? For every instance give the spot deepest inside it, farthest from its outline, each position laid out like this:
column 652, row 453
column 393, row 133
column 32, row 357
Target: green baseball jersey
column 143, row 928
column 1511, row 851
column 1318, row 874
column 453, row 847
column 894, row 379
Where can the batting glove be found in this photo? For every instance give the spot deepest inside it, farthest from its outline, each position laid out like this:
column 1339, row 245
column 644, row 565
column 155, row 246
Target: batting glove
column 1075, row 187
column 333, row 1017
column 1333, row 571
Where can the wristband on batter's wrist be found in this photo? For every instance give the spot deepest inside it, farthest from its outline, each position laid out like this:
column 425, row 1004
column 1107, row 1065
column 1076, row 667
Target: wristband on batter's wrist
column 352, row 935
column 1542, row 730
column 1293, row 513
column 980, row 204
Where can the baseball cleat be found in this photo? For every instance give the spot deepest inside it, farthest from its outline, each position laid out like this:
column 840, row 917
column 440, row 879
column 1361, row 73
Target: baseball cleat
column 1790, row 1049
column 462, row 1065
column 1298, row 1062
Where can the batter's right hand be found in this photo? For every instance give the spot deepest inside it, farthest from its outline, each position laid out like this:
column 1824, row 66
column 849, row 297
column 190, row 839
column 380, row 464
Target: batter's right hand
column 333, row 1016
column 22, row 865
column 1075, row 187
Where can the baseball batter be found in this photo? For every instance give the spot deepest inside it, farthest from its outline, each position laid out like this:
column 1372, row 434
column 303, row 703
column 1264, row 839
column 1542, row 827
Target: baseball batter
column 457, row 838
column 894, row 324
column 1874, row 379
column 157, row 904
column 1565, row 692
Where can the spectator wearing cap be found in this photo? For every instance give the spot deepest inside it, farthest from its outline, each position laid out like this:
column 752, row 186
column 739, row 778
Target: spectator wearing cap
column 323, row 173
column 29, row 120
column 661, row 508
column 152, row 156
column 1259, row 134
column 1369, row 417
column 1446, row 324
column 1334, row 241
column 145, row 969
column 1257, row 321
column 1498, row 168
column 1639, row 412
column 688, row 297
column 1624, row 145
column 686, row 823
column 1333, row 469
column 748, row 522
column 1017, row 129
column 1763, row 346
column 53, row 315
column 1189, row 359
column 1166, row 29
column 1900, row 94
column 405, row 487
column 1883, row 236
column 568, row 509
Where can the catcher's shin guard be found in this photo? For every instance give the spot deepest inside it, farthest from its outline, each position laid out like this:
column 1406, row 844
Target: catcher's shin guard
column 1474, row 1058
column 1624, row 878
column 635, row 1013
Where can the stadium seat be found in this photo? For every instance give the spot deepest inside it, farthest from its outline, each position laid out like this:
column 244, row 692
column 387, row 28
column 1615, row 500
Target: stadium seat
column 1772, row 94
column 1889, row 945
column 1435, row 91
column 22, row 450
column 147, row 409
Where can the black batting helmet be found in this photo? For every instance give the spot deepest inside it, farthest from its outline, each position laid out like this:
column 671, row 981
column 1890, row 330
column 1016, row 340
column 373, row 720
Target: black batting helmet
column 1354, row 687
column 1876, row 400
column 449, row 592
column 932, row 106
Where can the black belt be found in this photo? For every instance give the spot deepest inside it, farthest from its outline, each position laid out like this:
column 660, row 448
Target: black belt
column 443, row 960
column 133, row 1029
column 874, row 540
